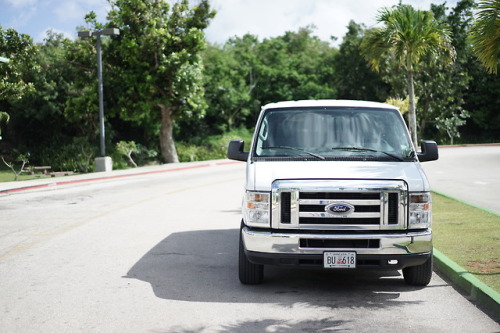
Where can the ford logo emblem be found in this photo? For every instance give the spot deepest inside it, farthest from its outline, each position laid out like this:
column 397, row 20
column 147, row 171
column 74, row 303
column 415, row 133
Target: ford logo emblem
column 339, row 208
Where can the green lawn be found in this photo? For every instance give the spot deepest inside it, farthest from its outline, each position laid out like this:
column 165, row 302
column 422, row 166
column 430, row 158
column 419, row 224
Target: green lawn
column 469, row 236
column 8, row 176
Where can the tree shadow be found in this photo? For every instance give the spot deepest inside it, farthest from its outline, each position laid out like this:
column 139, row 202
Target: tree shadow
column 202, row 266
column 277, row 326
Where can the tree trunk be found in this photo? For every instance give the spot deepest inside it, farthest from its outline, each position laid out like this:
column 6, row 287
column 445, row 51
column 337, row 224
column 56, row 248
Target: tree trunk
column 421, row 128
column 167, row 145
column 412, row 116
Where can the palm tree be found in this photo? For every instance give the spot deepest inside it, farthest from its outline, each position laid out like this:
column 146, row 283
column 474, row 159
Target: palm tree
column 408, row 35
column 485, row 34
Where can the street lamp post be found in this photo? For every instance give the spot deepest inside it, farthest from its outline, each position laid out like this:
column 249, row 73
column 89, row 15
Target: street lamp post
column 103, row 163
column 6, row 60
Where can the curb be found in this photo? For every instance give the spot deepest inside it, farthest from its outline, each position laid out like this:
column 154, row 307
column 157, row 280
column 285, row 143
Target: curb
column 118, row 174
column 68, row 182
column 460, row 277
column 466, row 281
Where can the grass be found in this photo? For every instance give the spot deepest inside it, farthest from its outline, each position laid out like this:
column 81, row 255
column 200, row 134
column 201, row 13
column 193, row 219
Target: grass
column 469, row 236
column 8, row 176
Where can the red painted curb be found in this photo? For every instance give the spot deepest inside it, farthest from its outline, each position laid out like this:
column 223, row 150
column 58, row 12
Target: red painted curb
column 230, row 162
column 68, row 182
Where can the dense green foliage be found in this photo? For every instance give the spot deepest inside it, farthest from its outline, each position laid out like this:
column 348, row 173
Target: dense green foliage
column 244, row 74
column 19, row 52
column 162, row 82
column 157, row 63
column 353, row 78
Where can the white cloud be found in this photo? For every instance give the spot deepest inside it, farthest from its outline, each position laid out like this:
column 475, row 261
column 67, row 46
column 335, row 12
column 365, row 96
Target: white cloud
column 270, row 18
column 25, row 16
column 21, row 3
column 75, row 10
column 43, row 35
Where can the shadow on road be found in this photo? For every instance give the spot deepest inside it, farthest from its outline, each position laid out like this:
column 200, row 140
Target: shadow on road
column 277, row 326
column 201, row 266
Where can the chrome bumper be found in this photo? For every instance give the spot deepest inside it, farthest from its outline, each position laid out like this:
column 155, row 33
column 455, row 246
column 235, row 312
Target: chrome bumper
column 289, row 243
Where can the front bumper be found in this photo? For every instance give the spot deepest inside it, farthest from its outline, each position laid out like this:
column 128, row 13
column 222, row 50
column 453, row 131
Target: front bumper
column 376, row 250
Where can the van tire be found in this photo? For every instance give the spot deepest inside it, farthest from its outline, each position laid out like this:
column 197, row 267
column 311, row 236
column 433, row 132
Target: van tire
column 249, row 272
column 419, row 275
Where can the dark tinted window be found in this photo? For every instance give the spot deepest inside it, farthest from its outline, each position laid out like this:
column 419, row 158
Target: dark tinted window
column 327, row 131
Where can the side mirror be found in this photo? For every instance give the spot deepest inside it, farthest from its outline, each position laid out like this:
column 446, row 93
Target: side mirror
column 235, row 151
column 429, row 151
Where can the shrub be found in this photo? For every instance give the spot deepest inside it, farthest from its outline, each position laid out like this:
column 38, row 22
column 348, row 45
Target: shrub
column 122, row 155
column 212, row 147
column 76, row 156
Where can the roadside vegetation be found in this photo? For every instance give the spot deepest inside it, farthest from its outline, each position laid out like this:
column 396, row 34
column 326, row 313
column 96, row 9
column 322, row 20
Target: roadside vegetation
column 8, row 176
column 469, row 236
column 170, row 96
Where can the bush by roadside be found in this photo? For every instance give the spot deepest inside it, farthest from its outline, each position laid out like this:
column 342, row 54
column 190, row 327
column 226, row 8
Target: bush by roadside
column 212, row 147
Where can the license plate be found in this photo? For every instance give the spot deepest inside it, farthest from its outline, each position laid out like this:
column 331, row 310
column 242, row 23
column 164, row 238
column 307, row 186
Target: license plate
column 339, row 259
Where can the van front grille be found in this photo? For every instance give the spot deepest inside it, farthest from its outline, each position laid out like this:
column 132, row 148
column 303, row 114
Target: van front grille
column 334, row 206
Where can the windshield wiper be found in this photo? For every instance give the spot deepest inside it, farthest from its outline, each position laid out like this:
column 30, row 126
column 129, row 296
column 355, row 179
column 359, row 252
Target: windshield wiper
column 297, row 149
column 372, row 150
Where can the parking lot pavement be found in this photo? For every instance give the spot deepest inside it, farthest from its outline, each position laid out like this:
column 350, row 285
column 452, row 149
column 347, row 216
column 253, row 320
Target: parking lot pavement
column 469, row 173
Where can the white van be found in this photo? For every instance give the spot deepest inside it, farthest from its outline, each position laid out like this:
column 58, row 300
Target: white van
column 335, row 185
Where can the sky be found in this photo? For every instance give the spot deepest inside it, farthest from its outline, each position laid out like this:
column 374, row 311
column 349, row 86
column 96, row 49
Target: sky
column 263, row 18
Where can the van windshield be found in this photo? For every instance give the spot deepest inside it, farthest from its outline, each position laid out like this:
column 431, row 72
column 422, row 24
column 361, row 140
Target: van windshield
column 333, row 133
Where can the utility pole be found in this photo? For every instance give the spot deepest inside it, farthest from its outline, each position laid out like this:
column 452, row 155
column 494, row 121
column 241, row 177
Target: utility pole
column 102, row 163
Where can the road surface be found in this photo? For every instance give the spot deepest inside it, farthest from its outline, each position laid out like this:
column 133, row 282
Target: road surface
column 469, row 173
column 158, row 253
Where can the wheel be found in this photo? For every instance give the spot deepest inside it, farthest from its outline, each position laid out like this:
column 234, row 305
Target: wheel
column 419, row 275
column 249, row 273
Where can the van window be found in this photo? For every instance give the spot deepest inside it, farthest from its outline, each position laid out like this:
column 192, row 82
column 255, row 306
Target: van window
column 333, row 133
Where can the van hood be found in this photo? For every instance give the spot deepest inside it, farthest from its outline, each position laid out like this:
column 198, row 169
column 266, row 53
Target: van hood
column 260, row 175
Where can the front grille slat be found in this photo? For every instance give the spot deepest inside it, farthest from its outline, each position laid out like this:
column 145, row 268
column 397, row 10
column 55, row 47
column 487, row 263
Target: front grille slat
column 340, row 195
column 340, row 243
column 358, row 209
column 393, row 211
column 286, row 207
column 339, row 220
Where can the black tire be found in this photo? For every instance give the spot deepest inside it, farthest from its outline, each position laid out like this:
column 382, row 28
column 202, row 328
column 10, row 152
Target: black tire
column 249, row 273
column 419, row 275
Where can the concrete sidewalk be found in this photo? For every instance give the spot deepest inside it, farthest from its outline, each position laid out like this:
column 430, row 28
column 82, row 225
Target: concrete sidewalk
column 46, row 182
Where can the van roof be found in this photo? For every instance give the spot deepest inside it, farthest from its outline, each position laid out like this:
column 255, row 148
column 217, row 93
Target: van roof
column 328, row 102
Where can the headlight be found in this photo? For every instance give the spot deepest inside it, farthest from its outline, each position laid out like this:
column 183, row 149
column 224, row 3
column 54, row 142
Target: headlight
column 420, row 210
column 256, row 209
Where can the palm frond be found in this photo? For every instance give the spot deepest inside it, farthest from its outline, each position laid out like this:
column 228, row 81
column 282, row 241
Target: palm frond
column 408, row 34
column 485, row 35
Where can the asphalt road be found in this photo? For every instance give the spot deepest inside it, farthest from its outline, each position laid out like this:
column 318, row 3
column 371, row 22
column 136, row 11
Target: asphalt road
column 470, row 173
column 158, row 253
